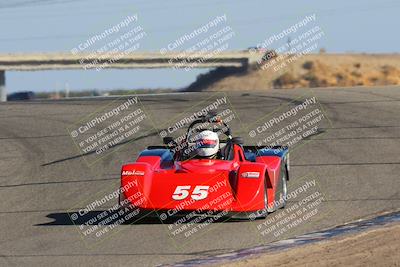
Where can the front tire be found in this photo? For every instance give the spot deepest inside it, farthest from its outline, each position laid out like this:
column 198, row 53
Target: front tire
column 259, row 214
column 262, row 214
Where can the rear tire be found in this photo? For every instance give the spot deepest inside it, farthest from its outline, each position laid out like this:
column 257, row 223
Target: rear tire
column 282, row 190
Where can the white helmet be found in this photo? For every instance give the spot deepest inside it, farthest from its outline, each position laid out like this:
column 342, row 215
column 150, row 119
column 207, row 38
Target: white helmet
column 207, row 143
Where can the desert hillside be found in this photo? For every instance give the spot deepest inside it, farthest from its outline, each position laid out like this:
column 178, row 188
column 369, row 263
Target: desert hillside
column 313, row 70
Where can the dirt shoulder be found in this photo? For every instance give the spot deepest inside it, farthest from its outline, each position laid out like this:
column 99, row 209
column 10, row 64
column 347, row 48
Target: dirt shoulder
column 305, row 71
column 378, row 247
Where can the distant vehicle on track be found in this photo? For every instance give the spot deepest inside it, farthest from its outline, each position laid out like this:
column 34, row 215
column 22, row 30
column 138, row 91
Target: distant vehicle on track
column 268, row 54
column 20, row 96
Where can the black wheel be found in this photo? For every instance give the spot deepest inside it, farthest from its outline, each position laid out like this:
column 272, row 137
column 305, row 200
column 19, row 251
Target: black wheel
column 121, row 199
column 266, row 209
column 282, row 188
column 264, row 212
column 259, row 214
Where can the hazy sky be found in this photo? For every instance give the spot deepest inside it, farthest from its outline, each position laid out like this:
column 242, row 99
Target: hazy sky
column 60, row 25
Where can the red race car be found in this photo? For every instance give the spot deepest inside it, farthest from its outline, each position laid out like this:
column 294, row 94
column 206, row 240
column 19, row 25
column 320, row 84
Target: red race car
column 207, row 175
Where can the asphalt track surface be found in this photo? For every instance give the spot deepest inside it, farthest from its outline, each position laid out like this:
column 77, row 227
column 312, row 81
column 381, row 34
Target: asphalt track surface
column 43, row 176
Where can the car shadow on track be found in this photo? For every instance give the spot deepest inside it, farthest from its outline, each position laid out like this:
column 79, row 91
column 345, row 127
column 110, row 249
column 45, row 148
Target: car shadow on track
column 67, row 218
column 93, row 152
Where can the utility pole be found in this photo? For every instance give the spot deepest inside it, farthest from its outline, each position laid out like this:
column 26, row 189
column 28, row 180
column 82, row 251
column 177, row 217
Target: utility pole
column 3, row 92
column 66, row 90
column 288, row 43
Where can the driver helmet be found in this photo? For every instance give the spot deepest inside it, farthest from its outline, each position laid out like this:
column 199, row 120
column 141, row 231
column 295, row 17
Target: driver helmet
column 207, row 144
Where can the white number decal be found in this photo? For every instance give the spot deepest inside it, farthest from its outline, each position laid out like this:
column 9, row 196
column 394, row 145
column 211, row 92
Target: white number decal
column 182, row 192
column 200, row 192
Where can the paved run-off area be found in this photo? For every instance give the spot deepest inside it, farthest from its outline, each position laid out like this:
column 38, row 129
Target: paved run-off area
column 354, row 159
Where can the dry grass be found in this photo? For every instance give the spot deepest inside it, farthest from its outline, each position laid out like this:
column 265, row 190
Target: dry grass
column 314, row 70
column 378, row 247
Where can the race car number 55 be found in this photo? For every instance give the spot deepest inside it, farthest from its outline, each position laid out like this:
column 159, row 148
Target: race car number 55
column 182, row 192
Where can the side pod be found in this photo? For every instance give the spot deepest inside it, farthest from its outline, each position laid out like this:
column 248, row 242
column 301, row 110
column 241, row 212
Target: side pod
column 250, row 187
